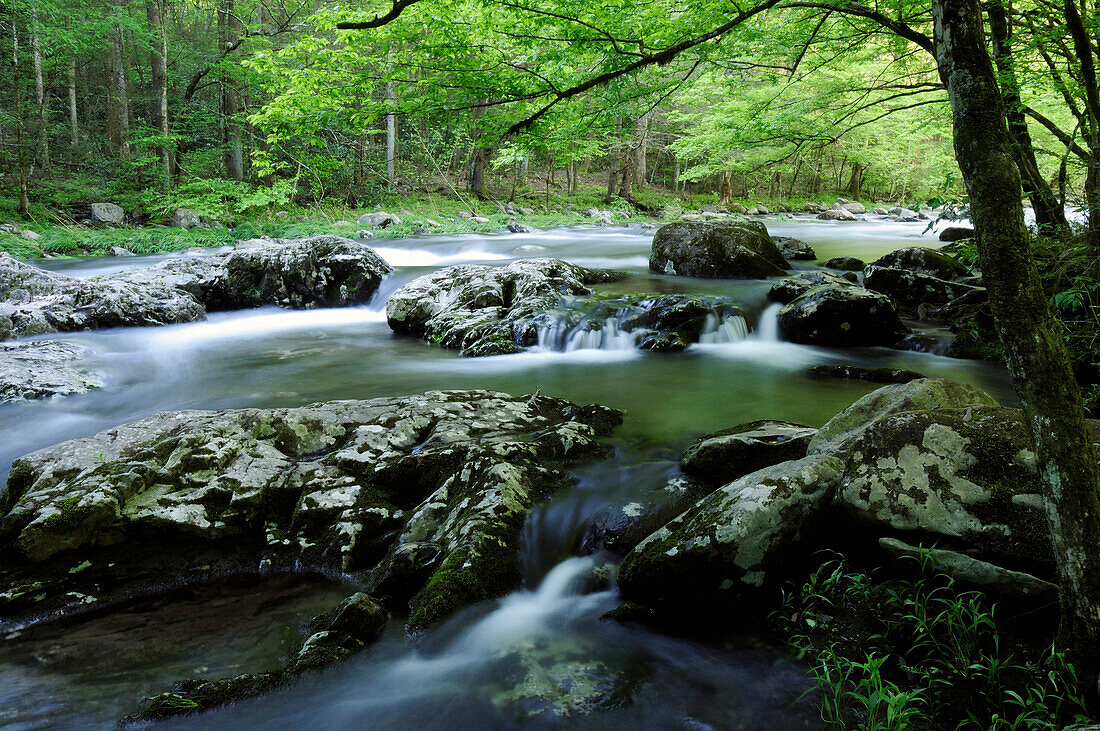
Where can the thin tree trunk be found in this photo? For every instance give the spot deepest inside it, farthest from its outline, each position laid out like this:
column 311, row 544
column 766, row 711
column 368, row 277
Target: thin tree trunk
column 726, row 195
column 1034, row 349
column 20, row 139
column 1050, row 215
column 121, row 102
column 391, row 128
column 40, row 96
column 233, row 155
column 613, row 163
column 1083, row 46
column 855, row 184
column 675, row 173
column 158, row 56
column 74, row 120
column 641, row 140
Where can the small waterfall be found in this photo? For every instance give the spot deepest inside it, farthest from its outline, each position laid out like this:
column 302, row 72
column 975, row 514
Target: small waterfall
column 724, row 329
column 767, row 328
column 561, row 338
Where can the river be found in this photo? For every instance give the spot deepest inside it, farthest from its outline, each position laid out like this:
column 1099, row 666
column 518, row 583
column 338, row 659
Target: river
column 90, row 673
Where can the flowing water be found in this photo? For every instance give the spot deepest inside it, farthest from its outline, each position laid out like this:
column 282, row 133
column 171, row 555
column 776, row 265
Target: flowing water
column 475, row 670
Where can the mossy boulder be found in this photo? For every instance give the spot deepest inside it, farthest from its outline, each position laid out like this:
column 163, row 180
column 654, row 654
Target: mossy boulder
column 725, row 455
column 483, row 310
column 913, row 288
column 843, row 316
column 922, row 260
column 719, row 555
column 789, row 289
column 716, row 250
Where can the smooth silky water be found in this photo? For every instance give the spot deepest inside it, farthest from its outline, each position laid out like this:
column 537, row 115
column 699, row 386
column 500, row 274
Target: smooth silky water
column 462, row 673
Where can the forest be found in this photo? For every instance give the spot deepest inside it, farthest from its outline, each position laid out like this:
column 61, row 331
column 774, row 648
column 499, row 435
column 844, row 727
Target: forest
column 503, row 363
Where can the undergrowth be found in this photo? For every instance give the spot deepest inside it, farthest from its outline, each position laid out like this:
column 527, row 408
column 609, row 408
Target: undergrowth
column 919, row 653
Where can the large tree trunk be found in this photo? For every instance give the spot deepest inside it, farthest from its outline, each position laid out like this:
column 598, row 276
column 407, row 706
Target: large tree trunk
column 158, row 56
column 121, row 101
column 228, row 31
column 40, row 96
column 855, row 183
column 1050, row 215
column 1033, row 345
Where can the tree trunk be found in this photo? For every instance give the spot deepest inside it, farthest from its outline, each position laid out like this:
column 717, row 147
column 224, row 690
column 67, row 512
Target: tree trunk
column 391, row 128
column 726, row 196
column 855, row 183
column 121, row 101
column 74, row 120
column 158, row 56
column 626, row 180
column 675, row 174
column 20, row 139
column 613, row 164
column 1033, row 345
column 1083, row 47
column 233, row 154
column 40, row 96
column 1050, row 215
column 641, row 140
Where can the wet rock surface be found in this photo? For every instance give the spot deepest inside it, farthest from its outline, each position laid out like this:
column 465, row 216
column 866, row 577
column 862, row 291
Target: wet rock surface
column 725, row 455
column 859, row 373
column 716, row 250
column 40, row 368
column 840, row 315
column 482, row 310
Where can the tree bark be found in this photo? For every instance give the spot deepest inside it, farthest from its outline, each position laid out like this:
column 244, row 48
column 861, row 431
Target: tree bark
column 74, row 120
column 40, row 96
column 121, row 102
column 20, row 139
column 855, row 183
column 158, row 58
column 1083, row 47
column 1034, row 349
column 641, row 144
column 613, row 163
column 1050, row 215
column 228, row 33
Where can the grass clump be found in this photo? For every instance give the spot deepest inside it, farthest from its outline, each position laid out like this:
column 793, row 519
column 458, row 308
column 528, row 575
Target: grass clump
column 918, row 653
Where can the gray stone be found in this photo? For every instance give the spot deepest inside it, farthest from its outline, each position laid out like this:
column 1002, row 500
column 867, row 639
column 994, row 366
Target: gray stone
column 379, row 219
column 854, row 207
column 107, row 213
column 622, row 526
column 913, row 288
column 483, row 310
column 838, row 315
column 716, row 250
column 519, row 228
column 922, row 260
column 837, row 214
column 364, row 234
column 480, row 219
column 119, row 251
column 847, row 263
column 956, row 233
column 725, row 455
column 187, row 218
column 794, row 249
column 719, row 554
column 38, row 368
column 30, row 235
column 789, row 289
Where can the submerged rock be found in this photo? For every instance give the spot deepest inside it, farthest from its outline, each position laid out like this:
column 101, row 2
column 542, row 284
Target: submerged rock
column 483, row 310
column 39, row 368
column 425, row 494
column 721, row 553
column 716, row 250
column 859, row 373
column 34, row 301
column 320, row 271
column 842, row 316
column 725, row 455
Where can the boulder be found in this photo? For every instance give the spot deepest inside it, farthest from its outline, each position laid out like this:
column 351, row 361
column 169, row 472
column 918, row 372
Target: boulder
column 30, row 235
column 738, row 208
column 965, row 479
column 480, row 219
column 108, row 214
column 956, row 233
column 519, row 228
column 840, row 432
column 725, row 455
column 426, row 494
column 854, row 207
column 837, row 214
column 320, row 271
column 620, row 527
column 904, row 214
column 483, row 310
column 716, row 250
column 186, row 218
column 914, row 288
column 38, row 368
column 859, row 373
column 380, row 219
column 721, row 553
column 843, row 316
column 794, row 249
column 119, row 251
column 789, row 289
column 847, row 263
column 922, row 260
column 34, row 301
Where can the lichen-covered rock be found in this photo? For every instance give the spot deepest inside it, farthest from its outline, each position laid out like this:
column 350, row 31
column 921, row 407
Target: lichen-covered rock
column 975, row 573
column 964, row 478
column 34, row 301
column 426, row 493
column 39, row 368
column 483, row 310
column 912, row 288
column 107, row 213
column 186, row 218
column 716, row 250
column 922, row 260
column 320, row 271
column 789, row 289
column 661, row 323
column 794, row 249
column 929, row 394
column 842, row 316
column 723, row 551
column 619, row 528
column 846, row 263
column 725, row 455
